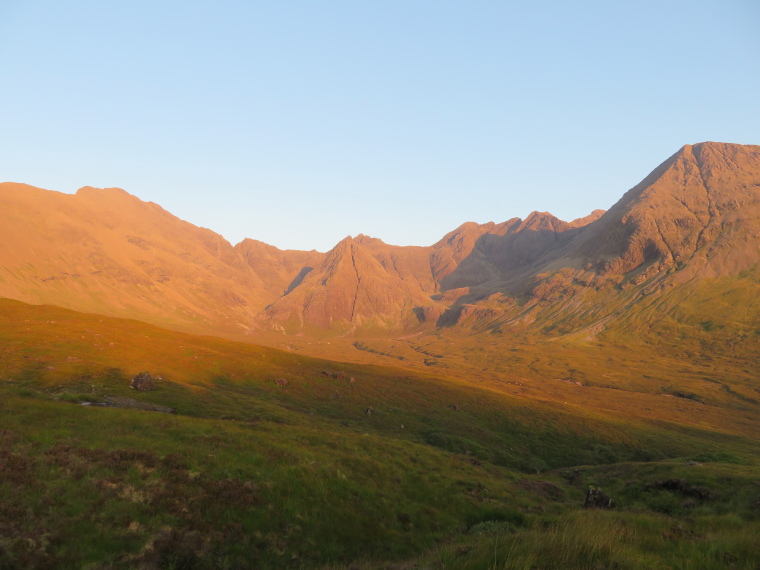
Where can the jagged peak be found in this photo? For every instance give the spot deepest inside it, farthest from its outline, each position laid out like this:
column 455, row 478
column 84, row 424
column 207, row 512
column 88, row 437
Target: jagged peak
column 710, row 154
column 347, row 246
column 538, row 221
column 721, row 147
column 346, row 243
column 258, row 245
column 368, row 240
column 717, row 158
column 466, row 229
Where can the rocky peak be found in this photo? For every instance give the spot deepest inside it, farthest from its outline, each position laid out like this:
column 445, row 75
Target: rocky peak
column 681, row 207
column 540, row 221
column 350, row 288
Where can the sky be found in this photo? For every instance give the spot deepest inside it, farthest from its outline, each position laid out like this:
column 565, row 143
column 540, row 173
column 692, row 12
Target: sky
column 298, row 123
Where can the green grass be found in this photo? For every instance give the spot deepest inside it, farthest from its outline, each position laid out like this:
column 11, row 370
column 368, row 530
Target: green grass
column 292, row 491
column 591, row 540
column 446, row 472
column 718, row 531
column 122, row 488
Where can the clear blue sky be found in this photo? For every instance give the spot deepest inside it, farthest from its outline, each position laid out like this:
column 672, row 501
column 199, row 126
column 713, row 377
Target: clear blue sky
column 301, row 122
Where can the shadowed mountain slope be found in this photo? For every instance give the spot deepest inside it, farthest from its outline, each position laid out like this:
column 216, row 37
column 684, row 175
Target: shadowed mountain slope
column 507, row 248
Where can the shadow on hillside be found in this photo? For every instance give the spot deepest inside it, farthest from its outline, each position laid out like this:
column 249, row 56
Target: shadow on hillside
column 508, row 262
column 450, row 316
column 507, row 256
column 298, row 279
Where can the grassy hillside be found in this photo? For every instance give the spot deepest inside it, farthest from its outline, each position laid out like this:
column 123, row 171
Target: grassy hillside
column 279, row 460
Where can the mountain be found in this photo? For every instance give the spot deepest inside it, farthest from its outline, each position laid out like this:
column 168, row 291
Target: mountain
column 700, row 208
column 105, row 251
column 351, row 289
column 693, row 223
column 365, row 284
column 691, row 227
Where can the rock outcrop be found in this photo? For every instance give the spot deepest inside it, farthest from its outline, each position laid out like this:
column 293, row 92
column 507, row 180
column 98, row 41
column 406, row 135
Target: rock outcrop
column 597, row 499
column 143, row 382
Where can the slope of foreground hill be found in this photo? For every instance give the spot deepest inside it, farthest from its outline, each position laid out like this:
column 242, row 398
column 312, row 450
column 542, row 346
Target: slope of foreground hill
column 274, row 460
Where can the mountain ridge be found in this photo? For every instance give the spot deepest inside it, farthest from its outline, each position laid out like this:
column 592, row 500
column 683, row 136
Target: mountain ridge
column 694, row 217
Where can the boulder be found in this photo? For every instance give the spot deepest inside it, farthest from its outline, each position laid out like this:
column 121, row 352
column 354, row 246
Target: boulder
column 142, row 382
column 596, row 499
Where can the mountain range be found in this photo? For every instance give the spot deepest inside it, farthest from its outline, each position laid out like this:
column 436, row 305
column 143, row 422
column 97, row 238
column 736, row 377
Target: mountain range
column 694, row 219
